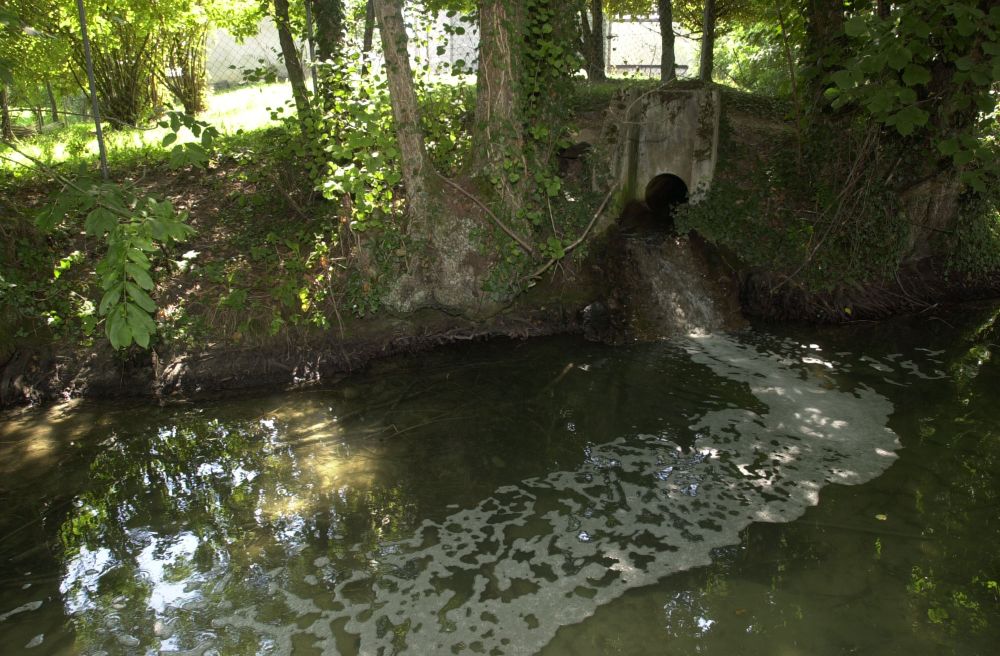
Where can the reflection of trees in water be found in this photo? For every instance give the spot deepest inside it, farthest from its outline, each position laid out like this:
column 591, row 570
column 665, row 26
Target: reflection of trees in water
column 955, row 589
column 217, row 501
column 195, row 508
column 173, row 508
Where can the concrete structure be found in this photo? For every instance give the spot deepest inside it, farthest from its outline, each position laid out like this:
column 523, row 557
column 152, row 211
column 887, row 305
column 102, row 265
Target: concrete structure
column 667, row 132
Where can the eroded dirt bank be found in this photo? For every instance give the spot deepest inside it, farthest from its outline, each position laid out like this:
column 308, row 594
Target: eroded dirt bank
column 611, row 299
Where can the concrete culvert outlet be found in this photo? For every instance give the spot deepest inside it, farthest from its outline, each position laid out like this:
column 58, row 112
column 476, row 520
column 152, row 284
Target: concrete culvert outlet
column 663, row 194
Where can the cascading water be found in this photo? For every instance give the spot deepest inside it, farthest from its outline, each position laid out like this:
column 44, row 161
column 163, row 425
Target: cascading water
column 669, row 285
column 679, row 293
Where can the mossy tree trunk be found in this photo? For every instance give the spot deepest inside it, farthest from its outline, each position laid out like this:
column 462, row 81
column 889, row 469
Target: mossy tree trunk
column 6, row 128
column 593, row 40
column 824, row 28
column 707, row 66
column 369, row 34
column 416, row 165
column 498, row 138
column 53, row 105
column 328, row 21
column 668, row 61
column 291, row 56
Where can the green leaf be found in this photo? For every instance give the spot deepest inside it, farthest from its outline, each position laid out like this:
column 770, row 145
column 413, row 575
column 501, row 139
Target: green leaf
column 138, row 257
column 177, row 159
column 856, row 27
column 963, row 157
column 140, row 336
column 966, row 26
column 140, row 297
column 899, row 58
column 844, row 79
column 908, row 119
column 914, row 75
column 168, row 139
column 948, row 147
column 906, row 95
column 139, row 274
column 117, row 329
column 976, row 180
column 99, row 222
column 110, row 298
column 139, row 324
column 881, row 101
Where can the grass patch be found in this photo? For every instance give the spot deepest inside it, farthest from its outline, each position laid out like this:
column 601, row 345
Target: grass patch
column 232, row 112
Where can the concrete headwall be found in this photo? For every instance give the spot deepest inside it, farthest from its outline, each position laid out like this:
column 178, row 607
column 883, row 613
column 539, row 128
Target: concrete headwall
column 667, row 131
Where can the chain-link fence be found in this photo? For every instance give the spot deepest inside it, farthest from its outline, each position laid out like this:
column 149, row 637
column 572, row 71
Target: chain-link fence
column 635, row 47
column 246, row 76
column 232, row 62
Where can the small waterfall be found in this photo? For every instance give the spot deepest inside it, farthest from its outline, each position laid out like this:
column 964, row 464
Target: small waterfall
column 670, row 285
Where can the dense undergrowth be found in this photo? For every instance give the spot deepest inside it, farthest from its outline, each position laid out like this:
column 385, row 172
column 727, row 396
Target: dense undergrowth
column 275, row 253
column 822, row 211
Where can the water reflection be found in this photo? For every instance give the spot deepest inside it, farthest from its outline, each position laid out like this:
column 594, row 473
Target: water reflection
column 468, row 501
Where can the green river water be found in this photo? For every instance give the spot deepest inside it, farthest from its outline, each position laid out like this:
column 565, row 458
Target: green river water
column 792, row 491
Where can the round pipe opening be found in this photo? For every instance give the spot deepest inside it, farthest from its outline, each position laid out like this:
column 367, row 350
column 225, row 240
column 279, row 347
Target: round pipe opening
column 664, row 194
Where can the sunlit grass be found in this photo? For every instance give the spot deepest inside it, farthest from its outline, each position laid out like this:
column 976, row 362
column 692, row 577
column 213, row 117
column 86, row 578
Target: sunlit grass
column 246, row 108
column 243, row 109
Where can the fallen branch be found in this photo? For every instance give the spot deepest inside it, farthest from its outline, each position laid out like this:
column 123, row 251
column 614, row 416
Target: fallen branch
column 580, row 239
column 523, row 243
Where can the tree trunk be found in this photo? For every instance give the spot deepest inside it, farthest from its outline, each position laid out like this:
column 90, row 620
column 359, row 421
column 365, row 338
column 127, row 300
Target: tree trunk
column 707, row 43
column 824, row 26
column 328, row 21
column 369, row 35
column 824, row 36
column 6, row 128
column 497, row 133
column 291, row 55
column 416, row 166
column 593, row 40
column 53, row 105
column 665, row 9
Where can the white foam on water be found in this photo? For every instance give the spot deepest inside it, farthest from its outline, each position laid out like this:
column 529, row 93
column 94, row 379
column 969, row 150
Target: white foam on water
column 505, row 575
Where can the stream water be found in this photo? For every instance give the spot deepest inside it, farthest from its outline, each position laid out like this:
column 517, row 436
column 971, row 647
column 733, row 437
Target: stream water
column 783, row 492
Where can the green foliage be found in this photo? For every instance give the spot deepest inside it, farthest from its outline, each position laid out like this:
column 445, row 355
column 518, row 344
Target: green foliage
column 929, row 67
column 132, row 226
column 188, row 153
column 353, row 147
column 753, row 59
column 976, row 242
column 445, row 110
column 811, row 222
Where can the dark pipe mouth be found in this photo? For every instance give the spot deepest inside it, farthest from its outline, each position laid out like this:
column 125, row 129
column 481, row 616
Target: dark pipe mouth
column 664, row 194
